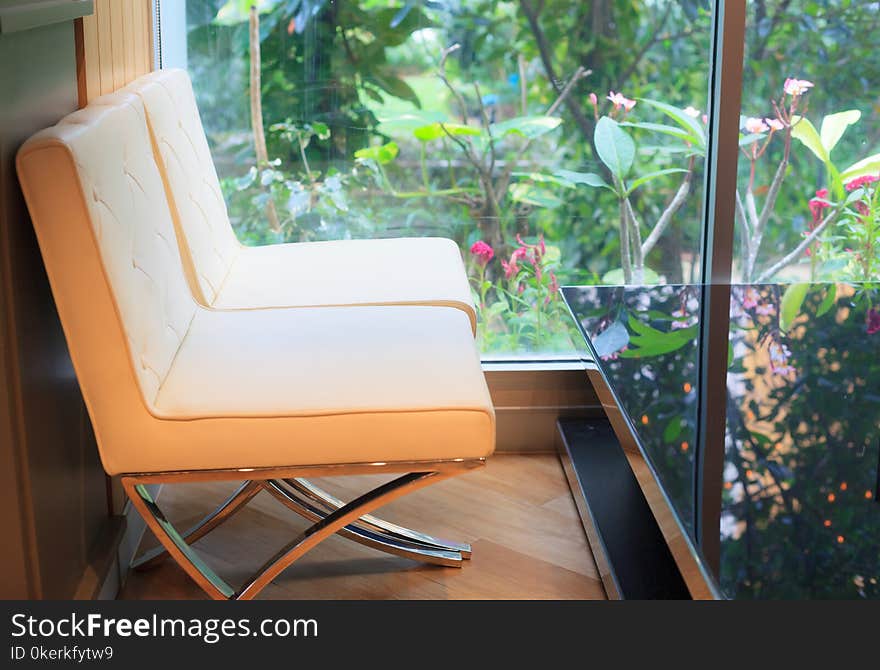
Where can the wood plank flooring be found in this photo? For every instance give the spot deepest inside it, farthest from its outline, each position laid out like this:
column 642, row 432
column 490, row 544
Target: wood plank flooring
column 517, row 512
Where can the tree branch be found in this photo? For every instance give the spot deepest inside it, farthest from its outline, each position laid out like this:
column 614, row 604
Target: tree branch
column 647, row 45
column 584, row 124
column 638, row 255
column 798, row 251
column 666, row 218
column 579, row 74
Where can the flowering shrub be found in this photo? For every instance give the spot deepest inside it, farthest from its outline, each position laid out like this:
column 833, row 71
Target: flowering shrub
column 841, row 233
column 519, row 303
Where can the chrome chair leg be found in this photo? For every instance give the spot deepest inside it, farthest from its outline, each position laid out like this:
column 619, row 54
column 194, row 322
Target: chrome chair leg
column 339, row 520
column 389, row 532
column 239, row 498
column 334, row 522
column 180, row 551
column 366, row 537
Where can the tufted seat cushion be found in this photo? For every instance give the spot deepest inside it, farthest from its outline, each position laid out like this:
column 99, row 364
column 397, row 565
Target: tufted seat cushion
column 225, row 275
column 171, row 385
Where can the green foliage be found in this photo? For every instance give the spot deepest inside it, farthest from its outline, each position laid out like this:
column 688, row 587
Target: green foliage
column 361, row 146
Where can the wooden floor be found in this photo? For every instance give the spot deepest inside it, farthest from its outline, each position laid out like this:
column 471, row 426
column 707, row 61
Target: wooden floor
column 517, row 512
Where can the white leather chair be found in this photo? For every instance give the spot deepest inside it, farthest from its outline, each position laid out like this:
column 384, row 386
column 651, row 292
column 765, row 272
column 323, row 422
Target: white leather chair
column 177, row 392
column 224, row 274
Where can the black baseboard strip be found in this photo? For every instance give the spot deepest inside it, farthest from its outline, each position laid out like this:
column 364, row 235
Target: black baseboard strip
column 631, row 553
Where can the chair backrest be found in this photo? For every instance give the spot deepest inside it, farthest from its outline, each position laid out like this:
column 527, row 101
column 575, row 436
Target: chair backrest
column 98, row 207
column 193, row 189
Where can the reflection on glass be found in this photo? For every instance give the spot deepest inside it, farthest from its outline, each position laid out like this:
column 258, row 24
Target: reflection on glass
column 799, row 512
column 555, row 142
column 646, row 342
column 807, row 206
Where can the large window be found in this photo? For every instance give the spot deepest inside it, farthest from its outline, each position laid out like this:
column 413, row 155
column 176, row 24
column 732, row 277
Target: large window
column 557, row 141
column 807, row 203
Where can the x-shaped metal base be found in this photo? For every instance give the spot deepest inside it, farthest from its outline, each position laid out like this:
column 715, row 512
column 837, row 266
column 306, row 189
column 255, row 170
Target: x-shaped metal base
column 330, row 516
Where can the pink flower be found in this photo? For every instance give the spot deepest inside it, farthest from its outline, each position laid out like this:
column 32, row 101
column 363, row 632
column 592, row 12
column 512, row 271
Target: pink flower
column 519, row 254
column 755, row 126
column 483, row 252
column 594, row 100
column 510, row 269
column 779, row 354
column 750, row 299
column 796, row 87
column 692, row 112
column 678, row 325
column 553, row 289
column 819, row 203
column 873, row 321
column 619, row 100
column 858, row 182
column 766, row 309
column 775, row 124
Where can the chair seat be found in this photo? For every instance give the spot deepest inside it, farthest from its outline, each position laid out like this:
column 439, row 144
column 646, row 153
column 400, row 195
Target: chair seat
column 416, row 271
column 264, row 388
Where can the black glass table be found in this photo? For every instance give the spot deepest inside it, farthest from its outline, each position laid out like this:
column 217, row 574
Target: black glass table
column 798, row 484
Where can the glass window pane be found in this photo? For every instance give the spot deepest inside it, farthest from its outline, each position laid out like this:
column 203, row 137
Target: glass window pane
column 810, row 143
column 543, row 126
column 799, row 514
column 799, row 519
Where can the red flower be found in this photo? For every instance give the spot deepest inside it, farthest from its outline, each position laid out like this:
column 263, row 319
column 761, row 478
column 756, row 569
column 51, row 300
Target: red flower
column 858, row 182
column 819, row 203
column 873, row 321
column 483, row 252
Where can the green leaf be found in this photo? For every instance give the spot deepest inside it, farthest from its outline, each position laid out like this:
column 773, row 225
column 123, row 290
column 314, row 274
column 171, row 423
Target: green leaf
column 542, row 178
column 805, row 132
column 615, row 147
column 692, row 125
column 395, row 86
column 381, row 154
column 434, row 131
column 869, row 165
column 672, row 430
column 534, row 195
column 835, row 125
column 615, row 277
column 527, row 126
column 585, row 178
column 245, row 180
column 828, row 301
column 644, row 179
column 790, row 306
column 679, row 133
column 238, row 11
column 322, row 130
column 652, row 342
column 611, row 340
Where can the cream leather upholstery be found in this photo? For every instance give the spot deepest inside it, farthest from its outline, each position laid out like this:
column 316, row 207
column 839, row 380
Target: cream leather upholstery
column 171, row 385
column 226, row 275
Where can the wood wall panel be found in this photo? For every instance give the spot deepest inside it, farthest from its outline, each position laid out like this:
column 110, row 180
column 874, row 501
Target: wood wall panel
column 116, row 46
column 53, row 494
